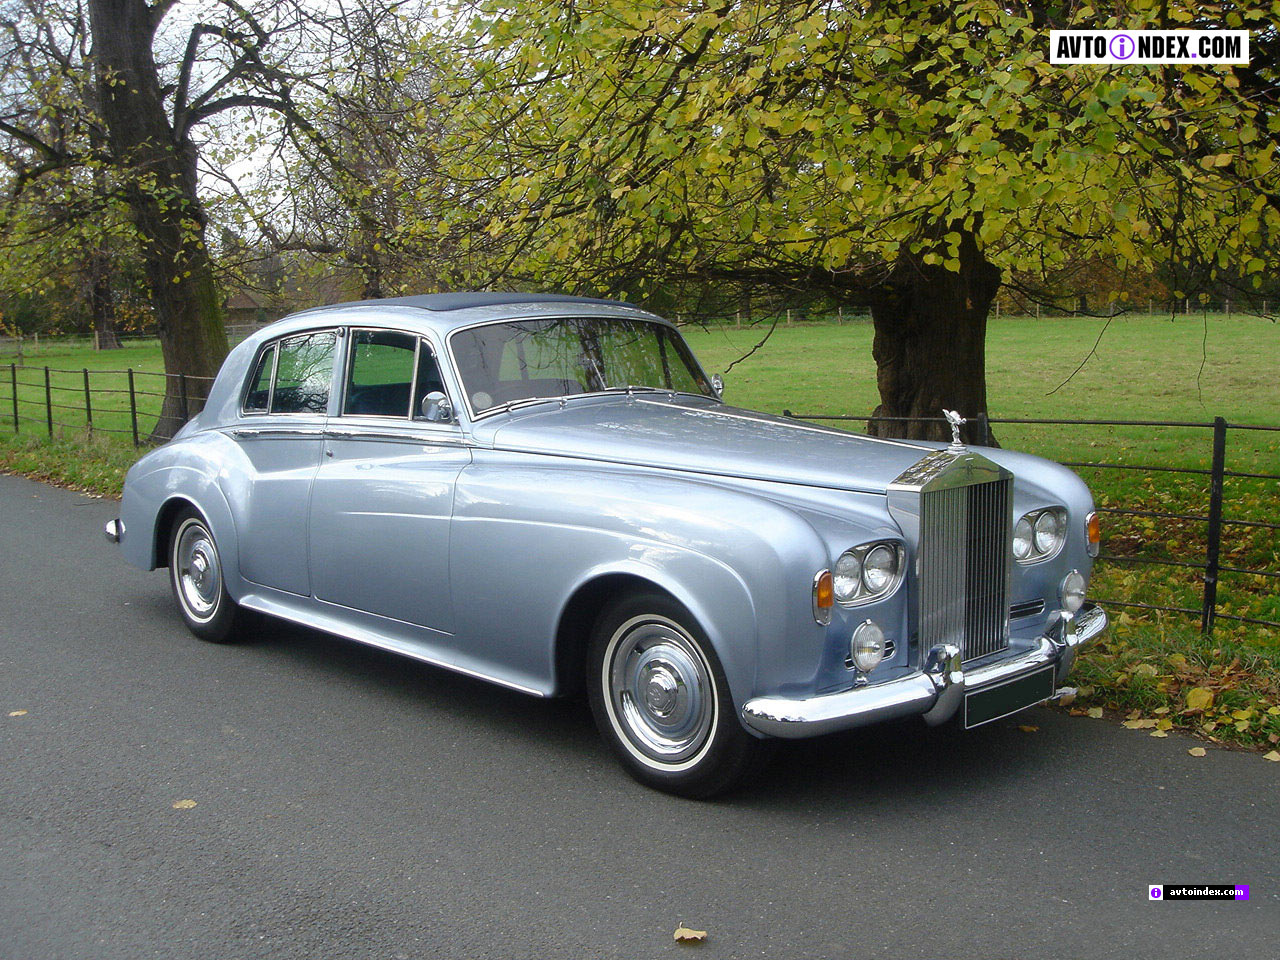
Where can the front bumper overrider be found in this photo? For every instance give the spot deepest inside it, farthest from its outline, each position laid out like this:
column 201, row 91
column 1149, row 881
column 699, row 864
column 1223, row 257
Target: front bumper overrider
column 935, row 692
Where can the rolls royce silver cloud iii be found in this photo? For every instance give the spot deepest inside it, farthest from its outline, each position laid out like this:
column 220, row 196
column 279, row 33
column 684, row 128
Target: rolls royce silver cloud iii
column 549, row 493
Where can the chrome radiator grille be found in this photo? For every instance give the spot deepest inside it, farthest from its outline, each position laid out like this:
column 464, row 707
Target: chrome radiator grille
column 964, row 560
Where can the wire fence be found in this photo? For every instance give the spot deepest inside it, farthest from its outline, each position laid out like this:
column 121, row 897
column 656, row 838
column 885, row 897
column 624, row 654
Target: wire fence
column 1210, row 566
column 112, row 402
column 131, row 404
column 22, row 346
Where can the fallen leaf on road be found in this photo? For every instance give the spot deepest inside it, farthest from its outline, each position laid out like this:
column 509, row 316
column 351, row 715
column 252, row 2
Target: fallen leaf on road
column 183, row 804
column 1159, row 733
column 1095, row 712
column 1273, row 756
column 18, row 713
column 1027, row 728
column 684, row 935
column 1196, row 751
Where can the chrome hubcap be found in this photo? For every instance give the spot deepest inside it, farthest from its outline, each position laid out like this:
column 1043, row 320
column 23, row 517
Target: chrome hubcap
column 660, row 687
column 198, row 573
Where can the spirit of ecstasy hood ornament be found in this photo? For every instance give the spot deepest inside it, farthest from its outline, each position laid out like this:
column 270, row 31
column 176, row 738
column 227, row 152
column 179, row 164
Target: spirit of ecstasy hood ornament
column 956, row 422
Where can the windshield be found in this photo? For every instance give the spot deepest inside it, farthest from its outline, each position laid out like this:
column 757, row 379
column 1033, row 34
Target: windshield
column 501, row 363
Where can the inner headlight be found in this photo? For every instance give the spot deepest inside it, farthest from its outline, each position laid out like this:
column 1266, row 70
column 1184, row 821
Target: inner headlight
column 867, row 572
column 1022, row 539
column 880, row 567
column 1040, row 534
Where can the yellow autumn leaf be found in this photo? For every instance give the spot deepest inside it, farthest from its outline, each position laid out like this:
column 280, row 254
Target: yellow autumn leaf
column 1159, row 733
column 1164, row 724
column 1199, row 698
column 183, row 804
column 1273, row 756
column 18, row 713
column 1027, row 728
column 684, row 935
column 1196, row 751
column 1095, row 712
column 1067, row 699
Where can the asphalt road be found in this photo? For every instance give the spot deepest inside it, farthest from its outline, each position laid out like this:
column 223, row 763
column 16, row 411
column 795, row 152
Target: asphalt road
column 352, row 804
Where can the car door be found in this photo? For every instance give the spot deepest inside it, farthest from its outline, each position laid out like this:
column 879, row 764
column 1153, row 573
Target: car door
column 382, row 500
column 281, row 434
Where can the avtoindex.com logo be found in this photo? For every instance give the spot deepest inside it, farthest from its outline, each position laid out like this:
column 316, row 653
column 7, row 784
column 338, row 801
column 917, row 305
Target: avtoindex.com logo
column 1148, row 46
column 1186, row 891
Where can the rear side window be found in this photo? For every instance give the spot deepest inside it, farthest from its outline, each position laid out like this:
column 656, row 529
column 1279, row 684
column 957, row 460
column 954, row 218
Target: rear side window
column 259, row 394
column 303, row 373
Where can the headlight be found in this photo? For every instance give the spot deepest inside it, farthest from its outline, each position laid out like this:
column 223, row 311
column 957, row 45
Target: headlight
column 1040, row 534
column 848, row 576
column 1048, row 532
column 868, row 572
column 1022, row 537
column 880, row 567
column 866, row 647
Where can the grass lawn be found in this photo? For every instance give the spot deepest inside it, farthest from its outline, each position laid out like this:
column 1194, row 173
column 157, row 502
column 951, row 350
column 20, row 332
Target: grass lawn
column 1144, row 368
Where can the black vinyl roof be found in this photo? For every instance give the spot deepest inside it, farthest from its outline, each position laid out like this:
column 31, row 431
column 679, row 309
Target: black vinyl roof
column 441, row 302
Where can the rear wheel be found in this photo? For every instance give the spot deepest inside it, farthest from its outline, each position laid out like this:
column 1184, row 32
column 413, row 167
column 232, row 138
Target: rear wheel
column 661, row 700
column 199, row 586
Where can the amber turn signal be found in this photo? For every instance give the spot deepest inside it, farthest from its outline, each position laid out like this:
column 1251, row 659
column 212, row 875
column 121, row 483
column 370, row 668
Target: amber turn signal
column 1093, row 530
column 824, row 597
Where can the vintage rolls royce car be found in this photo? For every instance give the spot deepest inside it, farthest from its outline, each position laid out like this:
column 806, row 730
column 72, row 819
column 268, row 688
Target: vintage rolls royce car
column 548, row 492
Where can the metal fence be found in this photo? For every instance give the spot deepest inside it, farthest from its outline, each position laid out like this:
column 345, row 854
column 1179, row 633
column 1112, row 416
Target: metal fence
column 120, row 402
column 129, row 403
column 1211, row 568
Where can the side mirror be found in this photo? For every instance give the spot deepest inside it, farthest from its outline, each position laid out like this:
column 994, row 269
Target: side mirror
column 437, row 408
column 717, row 385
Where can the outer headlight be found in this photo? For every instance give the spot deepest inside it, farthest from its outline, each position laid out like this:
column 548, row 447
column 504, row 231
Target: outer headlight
column 1040, row 534
column 1049, row 530
column 868, row 572
column 848, row 576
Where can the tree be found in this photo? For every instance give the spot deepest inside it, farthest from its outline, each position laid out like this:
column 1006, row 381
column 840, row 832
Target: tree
column 905, row 157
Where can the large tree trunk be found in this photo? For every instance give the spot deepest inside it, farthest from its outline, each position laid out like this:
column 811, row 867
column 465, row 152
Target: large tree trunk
column 161, row 191
column 930, row 344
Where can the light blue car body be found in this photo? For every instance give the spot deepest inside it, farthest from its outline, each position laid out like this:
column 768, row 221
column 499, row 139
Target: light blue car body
column 487, row 545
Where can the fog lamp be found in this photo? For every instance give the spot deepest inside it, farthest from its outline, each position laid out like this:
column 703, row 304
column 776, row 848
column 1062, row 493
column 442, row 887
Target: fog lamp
column 866, row 648
column 1071, row 593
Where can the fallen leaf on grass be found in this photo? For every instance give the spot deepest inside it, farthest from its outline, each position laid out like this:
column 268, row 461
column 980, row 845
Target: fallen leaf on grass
column 1095, row 712
column 684, row 935
column 1199, row 698
column 183, row 804
column 17, row 713
column 1196, row 751
column 1273, row 756
column 1027, row 728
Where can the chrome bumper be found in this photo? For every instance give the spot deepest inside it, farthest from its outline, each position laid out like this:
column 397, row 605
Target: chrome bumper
column 935, row 693
column 113, row 531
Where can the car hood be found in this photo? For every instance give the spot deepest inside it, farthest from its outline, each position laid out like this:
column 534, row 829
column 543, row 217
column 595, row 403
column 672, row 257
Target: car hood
column 699, row 436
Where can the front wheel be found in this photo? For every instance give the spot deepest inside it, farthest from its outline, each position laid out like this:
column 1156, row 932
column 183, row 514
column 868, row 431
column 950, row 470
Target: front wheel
column 196, row 576
column 660, row 699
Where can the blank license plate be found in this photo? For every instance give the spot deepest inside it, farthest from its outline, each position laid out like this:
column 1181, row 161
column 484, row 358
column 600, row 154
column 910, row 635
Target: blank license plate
column 992, row 703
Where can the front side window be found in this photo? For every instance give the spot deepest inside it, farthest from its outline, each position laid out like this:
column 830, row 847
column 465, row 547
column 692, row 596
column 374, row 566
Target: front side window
column 389, row 375
column 303, row 373
column 502, row 363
